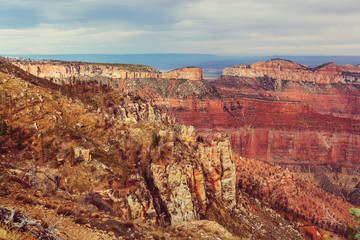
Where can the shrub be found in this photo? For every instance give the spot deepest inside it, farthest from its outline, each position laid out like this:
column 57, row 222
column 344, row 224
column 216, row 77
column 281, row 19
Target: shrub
column 72, row 156
column 138, row 98
column 98, row 202
column 66, row 211
column 27, row 199
column 155, row 139
column 3, row 126
column 356, row 231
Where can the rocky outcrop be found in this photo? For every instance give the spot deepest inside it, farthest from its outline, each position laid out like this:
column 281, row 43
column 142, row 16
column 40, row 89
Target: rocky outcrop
column 182, row 189
column 76, row 72
column 286, row 70
column 189, row 73
column 103, row 74
column 131, row 203
column 82, row 153
column 219, row 170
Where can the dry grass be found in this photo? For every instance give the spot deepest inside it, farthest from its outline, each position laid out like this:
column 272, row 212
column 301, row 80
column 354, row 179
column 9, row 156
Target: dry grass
column 27, row 199
column 13, row 234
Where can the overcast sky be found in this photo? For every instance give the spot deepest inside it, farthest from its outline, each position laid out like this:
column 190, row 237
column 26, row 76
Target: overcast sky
column 241, row 27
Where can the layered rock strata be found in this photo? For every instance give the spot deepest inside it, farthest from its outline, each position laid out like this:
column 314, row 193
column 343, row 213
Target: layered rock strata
column 104, row 74
column 288, row 113
column 286, row 70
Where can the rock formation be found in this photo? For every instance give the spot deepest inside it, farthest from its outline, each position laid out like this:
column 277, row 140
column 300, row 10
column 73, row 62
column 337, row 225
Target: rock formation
column 189, row 73
column 286, row 70
column 104, row 74
column 289, row 113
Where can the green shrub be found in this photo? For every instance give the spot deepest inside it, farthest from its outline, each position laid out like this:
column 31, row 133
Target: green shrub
column 356, row 231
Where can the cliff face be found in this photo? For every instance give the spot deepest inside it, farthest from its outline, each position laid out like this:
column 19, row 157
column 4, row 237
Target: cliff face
column 105, row 74
column 287, row 70
column 289, row 113
column 190, row 73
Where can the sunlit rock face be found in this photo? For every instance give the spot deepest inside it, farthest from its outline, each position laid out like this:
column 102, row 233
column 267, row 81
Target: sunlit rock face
column 105, row 74
column 288, row 113
column 286, row 70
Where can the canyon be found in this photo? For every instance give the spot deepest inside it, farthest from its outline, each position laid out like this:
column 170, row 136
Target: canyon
column 148, row 166
column 276, row 111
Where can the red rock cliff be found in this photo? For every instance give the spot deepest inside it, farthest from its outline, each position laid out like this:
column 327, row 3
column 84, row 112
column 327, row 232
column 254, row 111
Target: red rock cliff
column 288, row 113
column 287, row 70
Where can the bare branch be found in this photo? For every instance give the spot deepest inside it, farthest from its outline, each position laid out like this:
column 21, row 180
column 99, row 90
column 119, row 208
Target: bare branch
column 329, row 217
column 15, row 219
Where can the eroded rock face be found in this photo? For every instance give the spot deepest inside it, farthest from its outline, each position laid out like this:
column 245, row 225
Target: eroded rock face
column 133, row 203
column 290, row 114
column 219, row 170
column 190, row 73
column 294, row 196
column 287, row 70
column 67, row 72
column 186, row 187
column 104, row 74
column 182, row 189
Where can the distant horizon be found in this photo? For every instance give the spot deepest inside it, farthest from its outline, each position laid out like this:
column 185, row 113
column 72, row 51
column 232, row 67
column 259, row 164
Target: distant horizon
column 187, row 56
column 189, row 53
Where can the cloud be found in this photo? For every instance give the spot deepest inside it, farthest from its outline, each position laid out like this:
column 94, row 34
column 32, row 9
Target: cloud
column 55, row 39
column 196, row 26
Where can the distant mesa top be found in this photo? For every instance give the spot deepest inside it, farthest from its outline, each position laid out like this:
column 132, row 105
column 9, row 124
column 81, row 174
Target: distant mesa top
column 281, row 69
column 73, row 72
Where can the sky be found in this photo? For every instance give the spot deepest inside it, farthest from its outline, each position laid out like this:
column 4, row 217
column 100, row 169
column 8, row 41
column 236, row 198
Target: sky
column 223, row 27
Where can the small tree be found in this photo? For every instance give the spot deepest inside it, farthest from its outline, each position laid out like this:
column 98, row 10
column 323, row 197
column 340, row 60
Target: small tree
column 3, row 126
column 72, row 156
column 155, row 139
column 18, row 141
column 356, row 230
